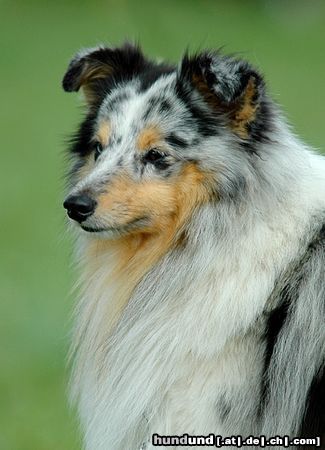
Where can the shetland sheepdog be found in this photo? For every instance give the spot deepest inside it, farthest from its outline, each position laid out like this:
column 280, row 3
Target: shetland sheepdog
column 201, row 244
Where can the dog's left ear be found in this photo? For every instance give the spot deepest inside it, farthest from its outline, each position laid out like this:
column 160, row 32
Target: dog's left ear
column 231, row 88
column 96, row 70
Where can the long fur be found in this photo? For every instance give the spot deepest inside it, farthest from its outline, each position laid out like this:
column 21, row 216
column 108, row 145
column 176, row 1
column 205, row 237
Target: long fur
column 224, row 332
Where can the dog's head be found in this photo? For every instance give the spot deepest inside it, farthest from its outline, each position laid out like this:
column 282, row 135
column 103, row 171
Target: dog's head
column 158, row 141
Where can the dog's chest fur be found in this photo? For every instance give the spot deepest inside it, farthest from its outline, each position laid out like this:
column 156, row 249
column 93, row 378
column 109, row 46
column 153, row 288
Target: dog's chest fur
column 188, row 352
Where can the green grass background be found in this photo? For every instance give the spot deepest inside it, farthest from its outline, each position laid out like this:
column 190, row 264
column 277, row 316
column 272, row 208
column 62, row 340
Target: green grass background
column 285, row 39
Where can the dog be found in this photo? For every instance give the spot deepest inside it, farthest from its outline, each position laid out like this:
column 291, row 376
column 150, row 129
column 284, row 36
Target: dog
column 201, row 246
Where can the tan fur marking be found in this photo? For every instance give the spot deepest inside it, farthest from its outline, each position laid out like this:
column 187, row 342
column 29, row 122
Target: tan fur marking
column 165, row 202
column 170, row 204
column 92, row 72
column 149, row 138
column 240, row 112
column 104, row 132
column 205, row 91
column 247, row 110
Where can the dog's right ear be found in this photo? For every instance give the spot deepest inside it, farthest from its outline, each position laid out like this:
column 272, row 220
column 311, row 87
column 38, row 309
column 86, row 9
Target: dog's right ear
column 231, row 87
column 96, row 70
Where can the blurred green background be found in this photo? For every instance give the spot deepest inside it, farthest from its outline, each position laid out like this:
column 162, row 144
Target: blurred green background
column 286, row 39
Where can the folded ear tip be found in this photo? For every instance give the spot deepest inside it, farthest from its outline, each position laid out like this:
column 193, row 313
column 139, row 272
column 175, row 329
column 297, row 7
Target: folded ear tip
column 255, row 77
column 71, row 82
column 68, row 83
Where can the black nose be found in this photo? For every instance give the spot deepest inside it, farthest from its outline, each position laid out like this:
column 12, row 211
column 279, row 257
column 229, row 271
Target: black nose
column 79, row 207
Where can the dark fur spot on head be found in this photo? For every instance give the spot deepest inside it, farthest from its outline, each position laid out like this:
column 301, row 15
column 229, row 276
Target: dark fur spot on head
column 119, row 163
column 165, row 106
column 207, row 124
column 205, row 121
column 176, row 141
column 147, row 114
column 117, row 100
column 151, row 106
column 153, row 72
column 158, row 105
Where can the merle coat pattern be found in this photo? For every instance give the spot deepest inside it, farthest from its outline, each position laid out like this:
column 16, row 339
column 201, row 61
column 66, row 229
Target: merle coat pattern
column 202, row 248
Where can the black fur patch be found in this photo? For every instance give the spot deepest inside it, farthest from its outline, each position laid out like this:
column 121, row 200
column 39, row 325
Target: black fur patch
column 314, row 419
column 156, row 104
column 121, row 64
column 153, row 104
column 81, row 142
column 315, row 414
column 165, row 106
column 276, row 320
column 274, row 324
column 152, row 72
column 313, row 423
column 176, row 141
column 204, row 120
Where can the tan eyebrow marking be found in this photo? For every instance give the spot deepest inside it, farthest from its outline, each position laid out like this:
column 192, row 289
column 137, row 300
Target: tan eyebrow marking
column 104, row 132
column 148, row 138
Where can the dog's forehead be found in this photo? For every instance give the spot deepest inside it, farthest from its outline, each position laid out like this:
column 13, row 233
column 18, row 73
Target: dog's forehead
column 130, row 107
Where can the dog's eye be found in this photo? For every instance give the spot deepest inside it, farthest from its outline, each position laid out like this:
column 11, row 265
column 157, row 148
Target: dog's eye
column 98, row 150
column 156, row 158
column 153, row 156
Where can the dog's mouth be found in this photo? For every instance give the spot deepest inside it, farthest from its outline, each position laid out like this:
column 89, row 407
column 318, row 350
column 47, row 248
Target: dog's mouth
column 130, row 226
column 95, row 230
